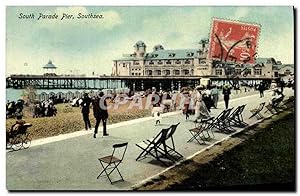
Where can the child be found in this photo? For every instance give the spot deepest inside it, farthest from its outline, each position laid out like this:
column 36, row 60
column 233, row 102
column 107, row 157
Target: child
column 156, row 113
column 157, row 118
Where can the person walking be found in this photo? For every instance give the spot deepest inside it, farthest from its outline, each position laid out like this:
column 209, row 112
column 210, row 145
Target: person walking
column 201, row 111
column 100, row 113
column 85, row 110
column 186, row 104
column 261, row 89
column 215, row 95
column 226, row 93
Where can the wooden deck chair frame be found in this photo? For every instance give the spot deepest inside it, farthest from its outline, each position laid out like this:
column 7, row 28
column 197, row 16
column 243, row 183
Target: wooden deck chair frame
column 256, row 111
column 236, row 117
column 288, row 103
column 112, row 162
column 153, row 147
column 198, row 132
column 221, row 122
column 170, row 149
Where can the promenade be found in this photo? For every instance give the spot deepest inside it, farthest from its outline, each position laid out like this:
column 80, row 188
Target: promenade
column 70, row 161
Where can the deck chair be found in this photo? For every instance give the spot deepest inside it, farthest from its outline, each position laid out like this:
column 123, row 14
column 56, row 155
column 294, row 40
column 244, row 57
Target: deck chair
column 256, row 111
column 204, row 125
column 288, row 103
column 111, row 162
column 221, row 122
column 275, row 107
column 270, row 109
column 236, row 117
column 154, row 146
column 170, row 149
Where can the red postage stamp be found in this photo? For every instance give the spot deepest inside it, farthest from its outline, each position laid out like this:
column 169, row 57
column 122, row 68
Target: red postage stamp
column 232, row 41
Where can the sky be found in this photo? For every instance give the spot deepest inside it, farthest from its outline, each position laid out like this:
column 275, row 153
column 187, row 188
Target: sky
column 83, row 46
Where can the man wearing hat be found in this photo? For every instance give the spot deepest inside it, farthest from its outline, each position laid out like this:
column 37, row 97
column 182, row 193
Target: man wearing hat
column 226, row 93
column 100, row 113
column 85, row 110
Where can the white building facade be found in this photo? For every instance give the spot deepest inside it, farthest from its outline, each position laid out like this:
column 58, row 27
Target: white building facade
column 187, row 62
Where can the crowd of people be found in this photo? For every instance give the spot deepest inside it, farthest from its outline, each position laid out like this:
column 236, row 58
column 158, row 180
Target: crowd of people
column 198, row 101
column 14, row 108
column 44, row 109
column 202, row 99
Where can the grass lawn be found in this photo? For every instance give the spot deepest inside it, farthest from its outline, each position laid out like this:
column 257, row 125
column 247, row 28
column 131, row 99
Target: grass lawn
column 266, row 161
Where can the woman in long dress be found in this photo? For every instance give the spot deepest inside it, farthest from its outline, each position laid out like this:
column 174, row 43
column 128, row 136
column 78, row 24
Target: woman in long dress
column 201, row 111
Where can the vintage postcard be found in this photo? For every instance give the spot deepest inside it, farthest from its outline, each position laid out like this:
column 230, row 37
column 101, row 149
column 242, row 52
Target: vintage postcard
column 147, row 98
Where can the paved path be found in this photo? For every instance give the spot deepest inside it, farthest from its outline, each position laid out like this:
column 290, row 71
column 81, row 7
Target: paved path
column 70, row 161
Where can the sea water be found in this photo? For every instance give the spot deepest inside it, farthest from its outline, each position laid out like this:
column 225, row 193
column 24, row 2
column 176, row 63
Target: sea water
column 15, row 94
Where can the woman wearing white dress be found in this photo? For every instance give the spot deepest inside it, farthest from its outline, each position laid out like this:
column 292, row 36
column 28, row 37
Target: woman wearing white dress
column 200, row 108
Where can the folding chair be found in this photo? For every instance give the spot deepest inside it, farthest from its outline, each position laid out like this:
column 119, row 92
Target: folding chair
column 274, row 108
column 112, row 162
column 153, row 147
column 198, row 132
column 256, row 111
column 270, row 109
column 288, row 103
column 221, row 122
column 170, row 149
column 236, row 117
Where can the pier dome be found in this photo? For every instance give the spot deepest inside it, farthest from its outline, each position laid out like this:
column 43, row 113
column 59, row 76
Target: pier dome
column 49, row 65
column 49, row 68
column 140, row 44
column 158, row 47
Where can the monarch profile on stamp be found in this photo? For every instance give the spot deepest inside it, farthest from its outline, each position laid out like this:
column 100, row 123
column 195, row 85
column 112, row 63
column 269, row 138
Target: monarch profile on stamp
column 232, row 41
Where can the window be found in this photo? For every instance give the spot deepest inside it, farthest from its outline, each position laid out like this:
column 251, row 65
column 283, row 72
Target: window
column 139, row 74
column 177, row 62
column 167, row 72
column 136, row 63
column 151, row 63
column 190, row 54
column 149, row 72
column 158, row 72
column 238, row 71
column 160, row 62
column 185, row 72
column 172, row 55
column 219, row 72
column 176, row 72
column 132, row 74
column 187, row 62
column 168, row 62
column 257, row 72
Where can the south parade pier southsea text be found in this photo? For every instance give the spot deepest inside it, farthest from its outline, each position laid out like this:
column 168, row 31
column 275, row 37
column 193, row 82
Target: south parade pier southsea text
column 55, row 16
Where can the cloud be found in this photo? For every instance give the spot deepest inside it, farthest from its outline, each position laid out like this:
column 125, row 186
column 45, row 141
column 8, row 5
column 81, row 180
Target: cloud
column 241, row 12
column 88, row 46
column 177, row 28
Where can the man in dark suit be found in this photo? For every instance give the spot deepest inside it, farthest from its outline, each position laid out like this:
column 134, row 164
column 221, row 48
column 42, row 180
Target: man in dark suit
column 85, row 110
column 226, row 93
column 100, row 113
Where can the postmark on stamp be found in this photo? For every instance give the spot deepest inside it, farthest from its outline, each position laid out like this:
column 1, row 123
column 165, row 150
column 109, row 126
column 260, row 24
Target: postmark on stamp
column 232, row 41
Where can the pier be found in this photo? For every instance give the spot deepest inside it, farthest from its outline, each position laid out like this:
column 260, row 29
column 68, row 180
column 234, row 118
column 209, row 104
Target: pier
column 114, row 82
